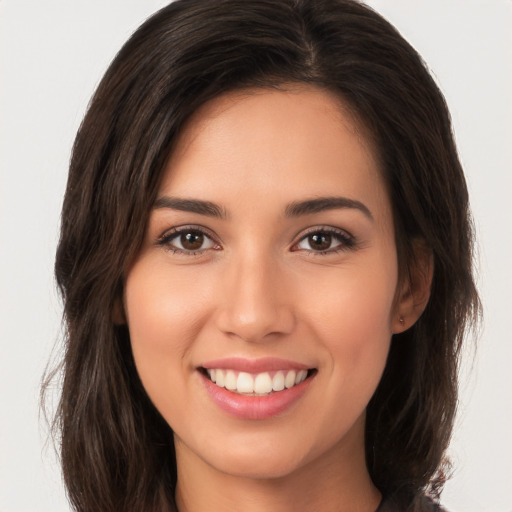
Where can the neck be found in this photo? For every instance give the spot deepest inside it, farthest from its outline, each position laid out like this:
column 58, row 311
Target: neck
column 336, row 482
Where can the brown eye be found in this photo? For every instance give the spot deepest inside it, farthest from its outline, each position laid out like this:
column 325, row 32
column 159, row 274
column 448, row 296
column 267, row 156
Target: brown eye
column 320, row 241
column 325, row 241
column 192, row 241
column 188, row 241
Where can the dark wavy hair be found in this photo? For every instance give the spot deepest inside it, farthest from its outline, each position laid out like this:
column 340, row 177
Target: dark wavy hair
column 117, row 451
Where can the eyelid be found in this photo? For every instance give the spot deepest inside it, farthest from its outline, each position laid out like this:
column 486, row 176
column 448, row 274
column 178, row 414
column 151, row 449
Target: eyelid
column 165, row 238
column 348, row 240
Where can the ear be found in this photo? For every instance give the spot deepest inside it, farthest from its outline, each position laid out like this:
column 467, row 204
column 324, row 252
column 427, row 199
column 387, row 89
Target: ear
column 415, row 290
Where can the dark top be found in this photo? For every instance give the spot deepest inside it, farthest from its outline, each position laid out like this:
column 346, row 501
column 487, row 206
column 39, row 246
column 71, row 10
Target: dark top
column 393, row 505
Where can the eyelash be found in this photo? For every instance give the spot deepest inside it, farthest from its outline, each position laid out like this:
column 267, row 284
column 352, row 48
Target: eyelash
column 166, row 240
column 347, row 241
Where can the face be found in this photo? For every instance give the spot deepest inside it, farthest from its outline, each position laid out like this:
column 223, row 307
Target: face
column 269, row 266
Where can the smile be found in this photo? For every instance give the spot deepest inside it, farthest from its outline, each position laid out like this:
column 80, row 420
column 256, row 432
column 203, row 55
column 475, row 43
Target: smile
column 256, row 384
column 256, row 389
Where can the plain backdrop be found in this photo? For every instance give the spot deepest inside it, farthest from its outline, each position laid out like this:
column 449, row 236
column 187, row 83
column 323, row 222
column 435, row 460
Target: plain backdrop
column 52, row 55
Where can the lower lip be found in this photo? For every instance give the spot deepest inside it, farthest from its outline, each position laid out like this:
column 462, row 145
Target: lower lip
column 255, row 407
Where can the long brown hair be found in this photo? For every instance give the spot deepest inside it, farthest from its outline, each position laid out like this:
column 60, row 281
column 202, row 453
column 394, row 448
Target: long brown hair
column 117, row 451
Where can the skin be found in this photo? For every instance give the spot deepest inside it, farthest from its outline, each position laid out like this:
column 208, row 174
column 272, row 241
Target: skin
column 258, row 288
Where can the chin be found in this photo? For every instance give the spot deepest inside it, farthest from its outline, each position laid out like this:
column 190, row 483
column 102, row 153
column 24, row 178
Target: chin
column 250, row 456
column 260, row 466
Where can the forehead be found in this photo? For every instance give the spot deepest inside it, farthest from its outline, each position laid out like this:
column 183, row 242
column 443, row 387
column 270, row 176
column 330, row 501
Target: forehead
column 298, row 141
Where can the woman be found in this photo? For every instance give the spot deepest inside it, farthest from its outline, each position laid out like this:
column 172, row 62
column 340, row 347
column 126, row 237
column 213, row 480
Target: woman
column 265, row 260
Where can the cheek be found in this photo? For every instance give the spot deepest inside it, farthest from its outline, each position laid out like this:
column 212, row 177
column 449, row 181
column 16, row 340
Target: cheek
column 352, row 328
column 162, row 308
column 351, row 316
column 352, row 302
column 163, row 315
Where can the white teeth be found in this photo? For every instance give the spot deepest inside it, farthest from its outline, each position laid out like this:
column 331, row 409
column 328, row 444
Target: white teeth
column 245, row 383
column 278, row 381
column 301, row 375
column 259, row 384
column 219, row 378
column 289, row 380
column 262, row 383
column 230, row 380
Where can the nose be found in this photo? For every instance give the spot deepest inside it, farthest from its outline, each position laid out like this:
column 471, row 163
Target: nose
column 255, row 302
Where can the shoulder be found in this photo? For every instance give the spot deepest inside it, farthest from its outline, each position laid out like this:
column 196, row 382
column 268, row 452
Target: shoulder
column 423, row 504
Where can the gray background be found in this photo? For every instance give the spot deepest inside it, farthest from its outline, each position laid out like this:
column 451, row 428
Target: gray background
column 52, row 54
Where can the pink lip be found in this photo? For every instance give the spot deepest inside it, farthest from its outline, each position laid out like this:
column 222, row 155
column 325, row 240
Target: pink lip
column 255, row 407
column 265, row 364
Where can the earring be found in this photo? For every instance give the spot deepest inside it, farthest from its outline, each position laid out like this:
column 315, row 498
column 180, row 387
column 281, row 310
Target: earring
column 401, row 320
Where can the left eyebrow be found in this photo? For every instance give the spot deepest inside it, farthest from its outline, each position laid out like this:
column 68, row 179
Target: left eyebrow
column 191, row 205
column 321, row 204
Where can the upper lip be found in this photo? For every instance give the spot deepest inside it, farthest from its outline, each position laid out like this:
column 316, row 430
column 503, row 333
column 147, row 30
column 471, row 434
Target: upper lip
column 264, row 364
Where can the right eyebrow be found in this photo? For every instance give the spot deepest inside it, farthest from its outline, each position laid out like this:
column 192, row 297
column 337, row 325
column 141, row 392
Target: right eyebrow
column 191, row 205
column 320, row 204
